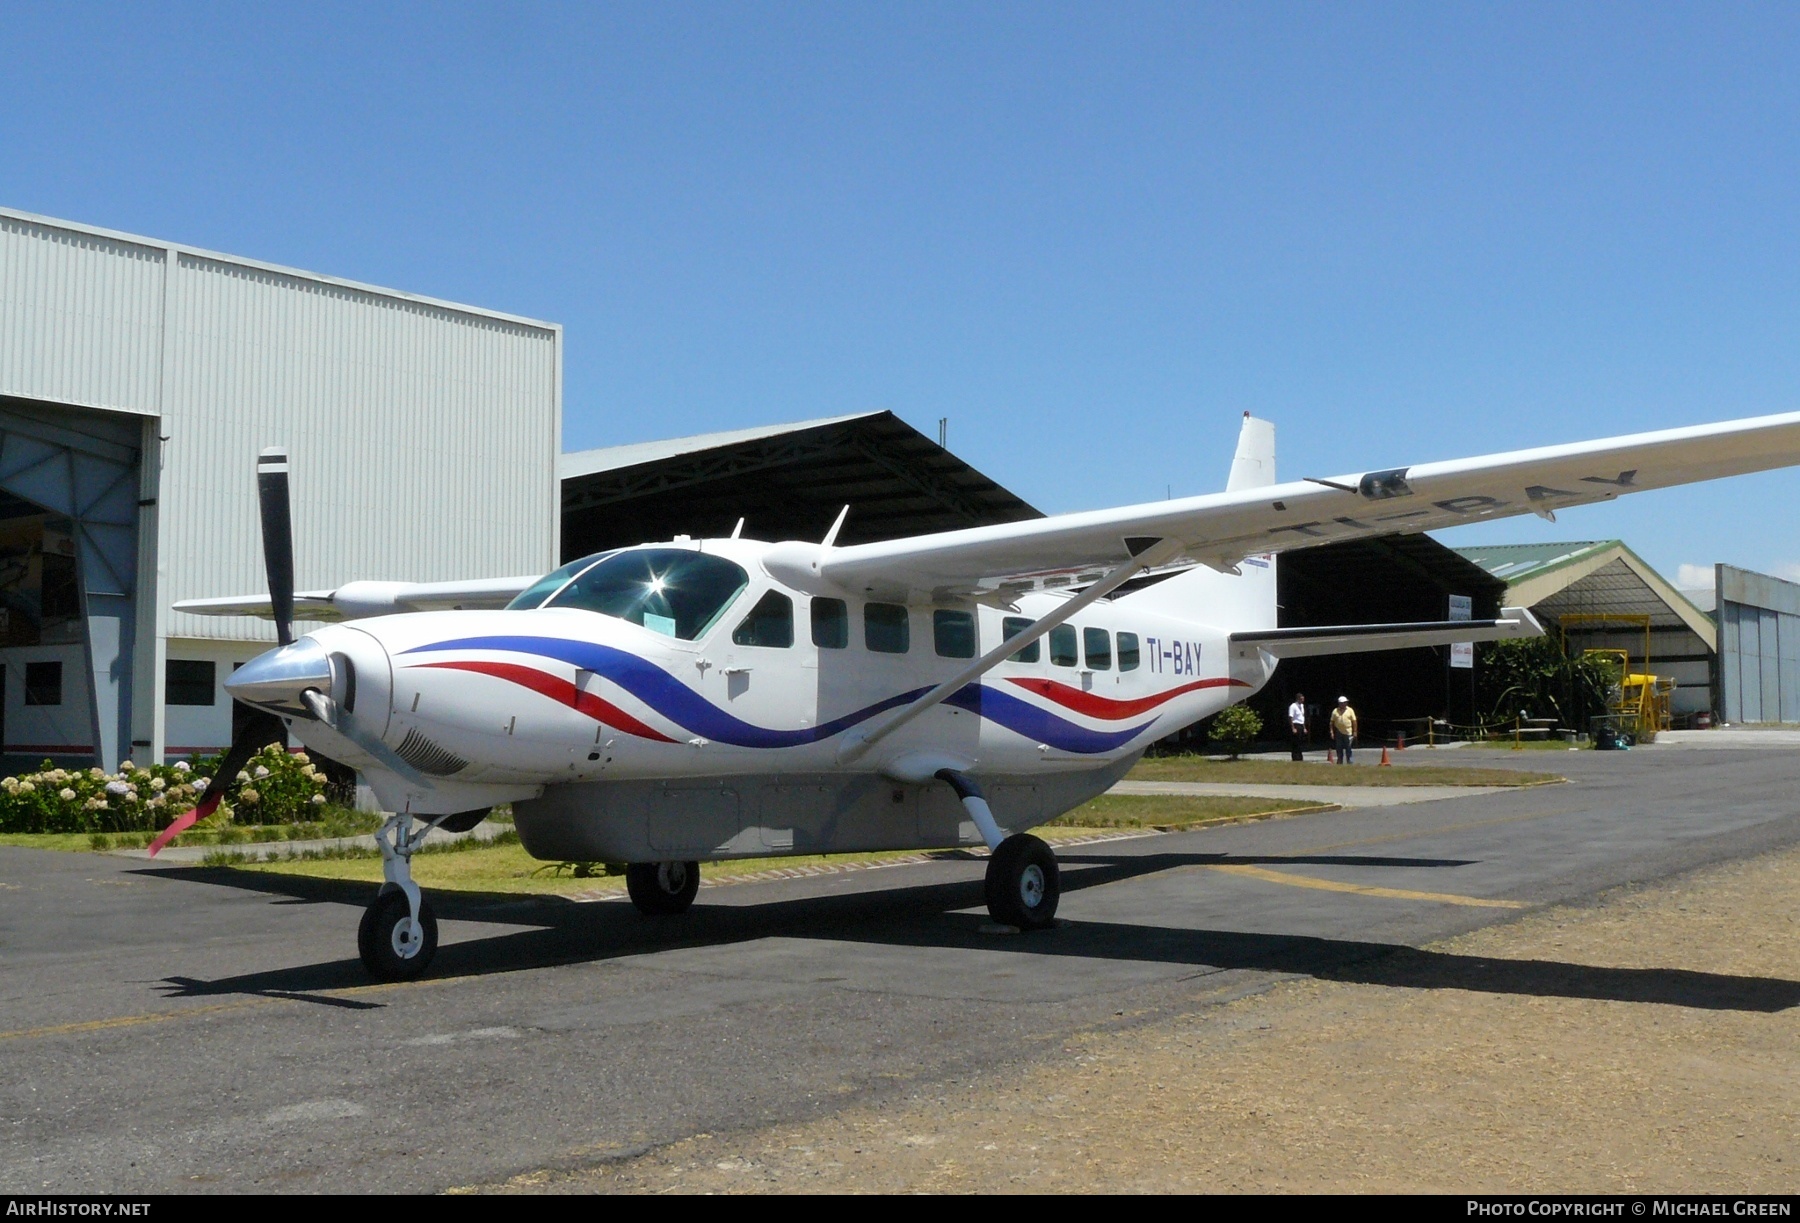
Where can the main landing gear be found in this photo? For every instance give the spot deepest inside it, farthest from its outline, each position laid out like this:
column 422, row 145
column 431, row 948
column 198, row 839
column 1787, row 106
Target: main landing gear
column 1023, row 884
column 399, row 934
column 662, row 889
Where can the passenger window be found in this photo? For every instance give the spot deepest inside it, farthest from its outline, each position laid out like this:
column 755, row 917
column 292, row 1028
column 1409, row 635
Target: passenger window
column 830, row 624
column 953, row 633
column 885, row 629
column 1128, row 651
column 1012, row 626
column 1097, row 643
column 1062, row 646
column 770, row 623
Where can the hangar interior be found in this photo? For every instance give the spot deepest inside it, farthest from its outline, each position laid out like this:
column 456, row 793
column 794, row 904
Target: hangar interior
column 1567, row 586
column 69, row 485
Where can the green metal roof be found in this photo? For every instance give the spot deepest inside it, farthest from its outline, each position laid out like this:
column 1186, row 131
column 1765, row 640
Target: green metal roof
column 1513, row 563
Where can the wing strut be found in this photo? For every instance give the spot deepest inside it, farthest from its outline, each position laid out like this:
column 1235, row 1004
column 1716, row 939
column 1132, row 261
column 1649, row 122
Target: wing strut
column 1147, row 554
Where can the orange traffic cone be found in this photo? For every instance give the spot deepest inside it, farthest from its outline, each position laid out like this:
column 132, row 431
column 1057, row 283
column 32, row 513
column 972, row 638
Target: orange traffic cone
column 1384, row 757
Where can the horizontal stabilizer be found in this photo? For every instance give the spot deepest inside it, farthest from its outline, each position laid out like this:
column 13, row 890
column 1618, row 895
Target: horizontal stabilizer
column 1514, row 622
column 359, row 600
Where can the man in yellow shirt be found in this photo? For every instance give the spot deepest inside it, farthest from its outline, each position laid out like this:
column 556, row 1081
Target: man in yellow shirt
column 1343, row 730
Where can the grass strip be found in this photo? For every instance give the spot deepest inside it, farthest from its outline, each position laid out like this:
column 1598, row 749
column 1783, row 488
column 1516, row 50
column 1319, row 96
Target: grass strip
column 503, row 866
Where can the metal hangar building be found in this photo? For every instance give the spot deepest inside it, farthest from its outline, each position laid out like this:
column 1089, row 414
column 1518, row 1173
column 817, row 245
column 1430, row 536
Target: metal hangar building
column 138, row 380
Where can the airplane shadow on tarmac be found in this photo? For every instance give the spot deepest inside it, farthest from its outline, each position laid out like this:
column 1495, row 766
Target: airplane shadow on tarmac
column 926, row 915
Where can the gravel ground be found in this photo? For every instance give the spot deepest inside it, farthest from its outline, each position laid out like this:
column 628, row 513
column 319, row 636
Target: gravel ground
column 1327, row 1086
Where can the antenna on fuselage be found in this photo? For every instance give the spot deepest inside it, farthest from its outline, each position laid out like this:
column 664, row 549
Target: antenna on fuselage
column 831, row 535
column 738, row 529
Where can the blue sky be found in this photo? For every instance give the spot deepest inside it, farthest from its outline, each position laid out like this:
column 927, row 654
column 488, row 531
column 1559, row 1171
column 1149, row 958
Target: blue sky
column 1092, row 236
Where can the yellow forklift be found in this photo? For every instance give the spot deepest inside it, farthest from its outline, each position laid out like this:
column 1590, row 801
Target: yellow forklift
column 1639, row 704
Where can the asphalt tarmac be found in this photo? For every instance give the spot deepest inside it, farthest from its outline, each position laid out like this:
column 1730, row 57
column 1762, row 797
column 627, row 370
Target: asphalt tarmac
column 171, row 1028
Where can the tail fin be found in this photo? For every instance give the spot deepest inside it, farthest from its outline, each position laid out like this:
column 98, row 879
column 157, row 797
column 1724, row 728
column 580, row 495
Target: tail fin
column 1242, row 601
column 1253, row 466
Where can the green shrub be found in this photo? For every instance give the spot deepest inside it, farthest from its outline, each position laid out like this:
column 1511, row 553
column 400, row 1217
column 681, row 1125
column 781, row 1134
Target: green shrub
column 1235, row 729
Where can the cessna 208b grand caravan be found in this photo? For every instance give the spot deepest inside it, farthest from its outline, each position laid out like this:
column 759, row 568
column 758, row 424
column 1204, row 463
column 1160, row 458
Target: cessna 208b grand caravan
column 700, row 699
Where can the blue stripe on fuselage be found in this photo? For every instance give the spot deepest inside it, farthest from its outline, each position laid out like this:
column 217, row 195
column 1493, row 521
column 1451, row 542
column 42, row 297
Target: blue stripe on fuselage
column 680, row 704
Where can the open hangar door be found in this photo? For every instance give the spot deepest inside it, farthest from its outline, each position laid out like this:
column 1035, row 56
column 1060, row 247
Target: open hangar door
column 69, row 511
column 1385, row 580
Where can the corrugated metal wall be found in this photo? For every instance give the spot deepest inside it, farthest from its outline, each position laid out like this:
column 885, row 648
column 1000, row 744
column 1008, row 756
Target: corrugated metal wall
column 423, row 439
column 80, row 317
column 1759, row 646
column 424, row 436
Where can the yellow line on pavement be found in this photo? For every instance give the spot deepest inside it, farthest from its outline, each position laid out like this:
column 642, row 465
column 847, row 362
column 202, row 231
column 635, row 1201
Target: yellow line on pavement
column 1332, row 885
column 132, row 1021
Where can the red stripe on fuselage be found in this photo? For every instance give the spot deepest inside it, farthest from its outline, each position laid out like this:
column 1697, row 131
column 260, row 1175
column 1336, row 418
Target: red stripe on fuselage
column 562, row 692
column 1096, row 706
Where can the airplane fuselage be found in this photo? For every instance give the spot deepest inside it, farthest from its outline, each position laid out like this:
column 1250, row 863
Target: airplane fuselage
column 613, row 725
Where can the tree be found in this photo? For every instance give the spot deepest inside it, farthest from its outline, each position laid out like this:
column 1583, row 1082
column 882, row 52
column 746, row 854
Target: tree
column 1533, row 677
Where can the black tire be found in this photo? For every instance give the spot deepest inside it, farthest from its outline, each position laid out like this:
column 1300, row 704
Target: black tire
column 662, row 889
column 383, row 944
column 1023, row 884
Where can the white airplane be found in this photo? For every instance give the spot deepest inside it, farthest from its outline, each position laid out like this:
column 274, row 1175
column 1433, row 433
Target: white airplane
column 695, row 700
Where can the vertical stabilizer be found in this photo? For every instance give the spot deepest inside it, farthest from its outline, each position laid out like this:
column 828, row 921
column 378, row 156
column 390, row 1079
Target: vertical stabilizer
column 1238, row 601
column 1253, row 466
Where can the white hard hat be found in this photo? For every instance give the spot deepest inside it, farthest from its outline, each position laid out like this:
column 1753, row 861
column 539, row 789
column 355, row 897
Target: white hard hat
column 1343, row 700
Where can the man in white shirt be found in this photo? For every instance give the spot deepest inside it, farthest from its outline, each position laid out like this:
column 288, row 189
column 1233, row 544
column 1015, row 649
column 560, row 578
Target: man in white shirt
column 1297, row 726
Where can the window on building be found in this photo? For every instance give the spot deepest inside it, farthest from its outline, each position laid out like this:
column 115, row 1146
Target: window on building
column 830, row 624
column 188, row 682
column 770, row 623
column 1096, row 643
column 1062, row 646
column 953, row 633
column 885, row 628
column 1012, row 626
column 1128, row 651
column 43, row 683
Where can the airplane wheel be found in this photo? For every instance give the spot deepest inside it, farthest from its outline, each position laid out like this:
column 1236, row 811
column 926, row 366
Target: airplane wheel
column 392, row 948
column 1023, row 885
column 660, row 889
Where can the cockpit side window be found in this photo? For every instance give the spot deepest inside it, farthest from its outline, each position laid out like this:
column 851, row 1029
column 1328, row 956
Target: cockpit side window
column 770, row 623
column 672, row 591
column 535, row 594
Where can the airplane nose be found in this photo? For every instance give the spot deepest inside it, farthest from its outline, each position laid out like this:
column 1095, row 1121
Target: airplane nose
column 276, row 679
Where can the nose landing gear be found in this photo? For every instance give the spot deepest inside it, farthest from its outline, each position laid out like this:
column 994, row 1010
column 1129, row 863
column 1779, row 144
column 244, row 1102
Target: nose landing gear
column 398, row 935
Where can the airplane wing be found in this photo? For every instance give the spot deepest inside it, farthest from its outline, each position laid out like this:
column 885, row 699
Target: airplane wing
column 1366, row 638
column 1223, row 528
column 355, row 600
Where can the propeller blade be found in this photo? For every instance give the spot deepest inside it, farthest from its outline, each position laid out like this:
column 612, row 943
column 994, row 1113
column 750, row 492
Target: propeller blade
column 260, row 730
column 278, row 537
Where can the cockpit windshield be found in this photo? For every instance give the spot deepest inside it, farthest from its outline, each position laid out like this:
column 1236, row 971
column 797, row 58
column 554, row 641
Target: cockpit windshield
column 535, row 594
column 674, row 591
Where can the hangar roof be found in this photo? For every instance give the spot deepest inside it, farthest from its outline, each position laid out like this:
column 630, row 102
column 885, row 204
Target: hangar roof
column 1587, row 577
column 786, row 481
